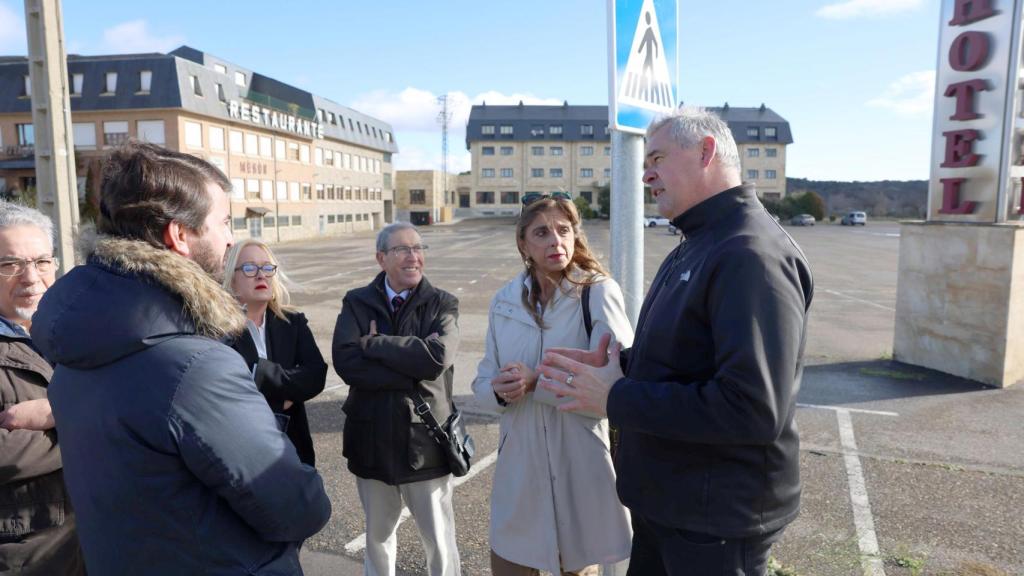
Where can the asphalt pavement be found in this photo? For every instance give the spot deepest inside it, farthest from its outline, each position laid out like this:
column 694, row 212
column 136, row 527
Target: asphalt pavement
column 905, row 470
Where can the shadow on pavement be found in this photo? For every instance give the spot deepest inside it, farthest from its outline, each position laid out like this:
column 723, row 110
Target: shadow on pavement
column 870, row 381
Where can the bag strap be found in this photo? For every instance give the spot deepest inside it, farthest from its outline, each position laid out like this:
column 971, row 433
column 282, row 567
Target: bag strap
column 587, row 322
column 422, row 410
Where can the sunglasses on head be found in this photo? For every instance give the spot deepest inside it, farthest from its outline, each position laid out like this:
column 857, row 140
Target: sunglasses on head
column 531, row 197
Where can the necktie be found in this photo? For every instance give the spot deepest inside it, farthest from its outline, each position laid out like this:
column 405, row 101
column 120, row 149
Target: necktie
column 397, row 302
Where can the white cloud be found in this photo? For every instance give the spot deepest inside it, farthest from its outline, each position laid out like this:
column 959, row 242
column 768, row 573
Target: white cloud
column 911, row 95
column 414, row 113
column 12, row 30
column 135, row 37
column 868, row 8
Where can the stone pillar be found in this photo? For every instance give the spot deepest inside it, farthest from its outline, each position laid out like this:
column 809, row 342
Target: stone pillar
column 960, row 300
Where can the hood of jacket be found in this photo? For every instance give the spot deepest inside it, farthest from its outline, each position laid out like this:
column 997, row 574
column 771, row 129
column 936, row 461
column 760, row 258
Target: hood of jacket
column 128, row 297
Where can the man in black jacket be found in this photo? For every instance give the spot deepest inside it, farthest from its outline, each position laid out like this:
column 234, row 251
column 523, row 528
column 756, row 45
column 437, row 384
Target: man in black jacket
column 396, row 336
column 706, row 397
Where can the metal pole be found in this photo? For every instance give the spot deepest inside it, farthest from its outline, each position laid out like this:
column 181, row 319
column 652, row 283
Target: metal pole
column 627, row 230
column 56, row 181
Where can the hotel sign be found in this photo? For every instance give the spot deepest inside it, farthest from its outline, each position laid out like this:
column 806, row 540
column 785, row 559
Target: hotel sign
column 268, row 118
column 977, row 163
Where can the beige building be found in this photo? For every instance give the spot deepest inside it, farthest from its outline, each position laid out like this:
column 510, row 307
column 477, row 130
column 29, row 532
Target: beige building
column 300, row 165
column 521, row 149
column 424, row 196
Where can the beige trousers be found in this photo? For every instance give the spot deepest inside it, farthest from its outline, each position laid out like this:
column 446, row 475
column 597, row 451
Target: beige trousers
column 502, row 567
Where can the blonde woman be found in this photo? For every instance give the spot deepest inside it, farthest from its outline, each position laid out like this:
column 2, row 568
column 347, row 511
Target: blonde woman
column 553, row 502
column 278, row 345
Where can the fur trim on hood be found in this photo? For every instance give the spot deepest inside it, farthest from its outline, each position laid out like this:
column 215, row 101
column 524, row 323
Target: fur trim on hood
column 216, row 313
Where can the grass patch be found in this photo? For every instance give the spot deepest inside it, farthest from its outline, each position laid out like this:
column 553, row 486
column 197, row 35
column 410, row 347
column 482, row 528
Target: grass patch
column 775, row 568
column 904, row 558
column 893, row 374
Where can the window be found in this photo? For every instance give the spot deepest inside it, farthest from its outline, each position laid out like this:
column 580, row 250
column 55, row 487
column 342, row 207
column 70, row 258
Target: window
column 197, row 89
column 555, row 172
column 555, row 130
column 753, row 152
column 753, row 132
column 220, row 93
column 487, row 150
column 487, row 129
column 506, row 129
column 304, row 154
column 265, row 146
column 115, row 133
column 252, row 144
column 487, row 173
column 506, row 172
column 282, row 190
column 318, row 156
column 220, row 68
column 240, row 79
column 751, row 174
column 331, row 218
column 26, row 134
column 586, row 129
column 536, row 130
column 586, row 172
column 771, row 132
column 296, row 220
column 771, row 152
column 237, row 189
column 307, row 191
column 588, row 196
column 238, row 223
column 320, row 192
column 84, row 134
column 293, row 191
column 586, row 151
column 607, row 150
column 76, row 84
column 485, row 197
column 235, row 142
column 26, row 87
column 268, row 221
column 537, row 150
column 152, row 131
column 769, row 174
column 536, row 172
column 193, row 134
column 506, row 150
column 216, row 137
column 607, row 173
column 556, row 150
column 282, row 221
column 266, row 190
column 111, row 83
column 510, row 197
column 252, row 189
column 417, row 196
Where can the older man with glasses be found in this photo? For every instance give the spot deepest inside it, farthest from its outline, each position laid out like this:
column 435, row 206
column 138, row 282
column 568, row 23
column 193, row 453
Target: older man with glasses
column 394, row 345
column 39, row 535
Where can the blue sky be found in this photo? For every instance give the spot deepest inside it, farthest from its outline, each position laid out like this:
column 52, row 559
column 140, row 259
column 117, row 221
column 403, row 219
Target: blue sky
column 855, row 78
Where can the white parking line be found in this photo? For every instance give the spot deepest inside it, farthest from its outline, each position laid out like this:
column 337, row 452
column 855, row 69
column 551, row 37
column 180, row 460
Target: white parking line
column 861, row 300
column 858, row 410
column 867, row 541
column 359, row 542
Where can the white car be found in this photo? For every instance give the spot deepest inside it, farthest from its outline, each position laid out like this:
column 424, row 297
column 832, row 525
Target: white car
column 652, row 221
column 854, row 218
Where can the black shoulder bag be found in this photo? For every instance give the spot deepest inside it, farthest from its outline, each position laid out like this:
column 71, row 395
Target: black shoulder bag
column 455, row 441
column 613, row 432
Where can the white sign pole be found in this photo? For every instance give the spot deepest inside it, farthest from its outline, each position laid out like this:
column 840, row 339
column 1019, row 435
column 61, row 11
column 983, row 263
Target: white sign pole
column 627, row 229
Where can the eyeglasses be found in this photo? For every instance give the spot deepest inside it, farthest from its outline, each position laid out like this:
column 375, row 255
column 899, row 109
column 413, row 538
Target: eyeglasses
column 404, row 251
column 250, row 269
column 11, row 267
column 531, row 197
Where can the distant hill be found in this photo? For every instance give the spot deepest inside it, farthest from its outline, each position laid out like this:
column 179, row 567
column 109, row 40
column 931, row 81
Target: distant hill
column 895, row 198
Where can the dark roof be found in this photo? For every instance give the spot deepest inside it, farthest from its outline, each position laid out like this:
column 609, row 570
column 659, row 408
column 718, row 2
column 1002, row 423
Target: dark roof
column 534, row 122
column 524, row 119
column 171, row 88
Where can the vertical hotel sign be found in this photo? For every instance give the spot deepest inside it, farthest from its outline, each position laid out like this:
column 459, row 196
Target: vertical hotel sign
column 977, row 162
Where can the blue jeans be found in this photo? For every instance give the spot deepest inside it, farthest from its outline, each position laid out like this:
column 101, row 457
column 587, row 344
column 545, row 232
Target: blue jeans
column 662, row 551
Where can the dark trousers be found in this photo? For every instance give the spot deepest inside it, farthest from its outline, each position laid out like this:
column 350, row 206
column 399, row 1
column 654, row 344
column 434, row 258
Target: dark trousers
column 662, row 551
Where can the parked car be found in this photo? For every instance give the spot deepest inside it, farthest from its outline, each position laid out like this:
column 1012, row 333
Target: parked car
column 802, row 220
column 854, row 218
column 652, row 221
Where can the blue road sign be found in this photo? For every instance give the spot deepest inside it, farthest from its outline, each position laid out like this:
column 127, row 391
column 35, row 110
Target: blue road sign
column 643, row 61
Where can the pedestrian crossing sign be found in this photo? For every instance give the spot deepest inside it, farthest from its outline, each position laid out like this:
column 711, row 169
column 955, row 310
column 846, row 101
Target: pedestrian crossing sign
column 643, row 62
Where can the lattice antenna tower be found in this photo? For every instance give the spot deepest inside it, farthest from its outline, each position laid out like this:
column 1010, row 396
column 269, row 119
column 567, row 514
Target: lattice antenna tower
column 444, row 117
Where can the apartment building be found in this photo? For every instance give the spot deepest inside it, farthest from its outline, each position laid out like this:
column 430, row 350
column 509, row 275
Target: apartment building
column 424, row 196
column 519, row 149
column 300, row 165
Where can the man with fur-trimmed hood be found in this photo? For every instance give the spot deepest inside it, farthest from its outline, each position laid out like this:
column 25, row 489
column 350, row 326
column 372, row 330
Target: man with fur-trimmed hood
column 172, row 458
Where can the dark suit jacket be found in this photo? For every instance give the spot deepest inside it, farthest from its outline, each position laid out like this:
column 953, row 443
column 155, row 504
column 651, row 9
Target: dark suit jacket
column 293, row 370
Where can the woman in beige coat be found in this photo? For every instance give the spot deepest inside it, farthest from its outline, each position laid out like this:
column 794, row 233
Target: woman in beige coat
column 553, row 502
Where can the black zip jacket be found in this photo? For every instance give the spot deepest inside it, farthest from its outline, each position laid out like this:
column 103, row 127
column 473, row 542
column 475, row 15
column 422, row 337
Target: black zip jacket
column 707, row 406
column 383, row 439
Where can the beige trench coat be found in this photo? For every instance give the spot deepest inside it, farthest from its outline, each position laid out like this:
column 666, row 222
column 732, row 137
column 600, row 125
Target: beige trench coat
column 554, row 486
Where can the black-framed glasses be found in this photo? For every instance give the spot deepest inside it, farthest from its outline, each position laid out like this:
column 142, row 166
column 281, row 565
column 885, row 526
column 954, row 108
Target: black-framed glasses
column 250, row 269
column 10, row 267
column 531, row 197
column 404, row 251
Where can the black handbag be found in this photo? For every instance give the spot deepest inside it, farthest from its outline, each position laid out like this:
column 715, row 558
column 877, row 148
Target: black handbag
column 455, row 441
